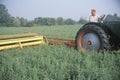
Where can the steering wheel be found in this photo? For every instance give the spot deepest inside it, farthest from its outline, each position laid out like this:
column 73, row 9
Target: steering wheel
column 102, row 17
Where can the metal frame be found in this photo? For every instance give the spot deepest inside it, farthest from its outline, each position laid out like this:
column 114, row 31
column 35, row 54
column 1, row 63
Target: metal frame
column 19, row 41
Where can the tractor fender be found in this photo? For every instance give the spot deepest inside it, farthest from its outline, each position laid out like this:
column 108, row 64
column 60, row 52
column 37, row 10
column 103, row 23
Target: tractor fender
column 101, row 25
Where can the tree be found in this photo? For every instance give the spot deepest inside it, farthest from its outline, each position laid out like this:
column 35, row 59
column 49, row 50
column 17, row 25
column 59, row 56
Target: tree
column 29, row 24
column 38, row 21
column 5, row 17
column 16, row 22
column 23, row 22
column 51, row 21
column 45, row 21
column 69, row 22
column 82, row 21
column 60, row 21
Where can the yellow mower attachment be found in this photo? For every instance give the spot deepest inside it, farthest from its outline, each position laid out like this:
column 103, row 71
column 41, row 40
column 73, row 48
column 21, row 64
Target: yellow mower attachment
column 21, row 40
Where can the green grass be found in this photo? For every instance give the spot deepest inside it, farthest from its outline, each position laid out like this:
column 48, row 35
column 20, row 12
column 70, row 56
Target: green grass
column 54, row 31
column 56, row 62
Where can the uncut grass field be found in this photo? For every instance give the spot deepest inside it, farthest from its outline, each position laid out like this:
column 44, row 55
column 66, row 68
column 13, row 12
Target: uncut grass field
column 56, row 62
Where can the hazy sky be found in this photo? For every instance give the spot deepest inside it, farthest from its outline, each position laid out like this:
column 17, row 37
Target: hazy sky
column 60, row 8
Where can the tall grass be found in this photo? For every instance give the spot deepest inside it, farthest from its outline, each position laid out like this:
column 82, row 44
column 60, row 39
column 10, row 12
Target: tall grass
column 57, row 62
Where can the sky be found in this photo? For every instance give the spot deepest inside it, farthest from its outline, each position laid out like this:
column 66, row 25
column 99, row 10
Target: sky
column 74, row 9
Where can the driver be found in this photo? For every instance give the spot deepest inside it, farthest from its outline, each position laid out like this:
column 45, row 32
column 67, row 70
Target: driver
column 94, row 17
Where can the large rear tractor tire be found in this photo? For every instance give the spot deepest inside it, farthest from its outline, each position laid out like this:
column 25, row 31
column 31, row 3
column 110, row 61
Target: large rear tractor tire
column 91, row 37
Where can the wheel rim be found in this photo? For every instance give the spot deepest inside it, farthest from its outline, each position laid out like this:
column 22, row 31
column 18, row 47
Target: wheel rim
column 90, row 41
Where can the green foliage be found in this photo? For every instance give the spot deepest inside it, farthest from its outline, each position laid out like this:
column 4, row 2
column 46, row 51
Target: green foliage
column 53, row 21
column 29, row 24
column 60, row 21
column 69, row 22
column 16, row 22
column 5, row 17
column 54, row 31
column 82, row 21
column 56, row 62
column 7, row 20
column 23, row 22
column 45, row 21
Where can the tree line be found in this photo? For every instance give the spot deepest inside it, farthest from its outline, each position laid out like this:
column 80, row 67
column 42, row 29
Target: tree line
column 7, row 20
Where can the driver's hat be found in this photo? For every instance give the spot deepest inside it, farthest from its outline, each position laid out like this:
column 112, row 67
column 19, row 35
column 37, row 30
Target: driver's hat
column 93, row 10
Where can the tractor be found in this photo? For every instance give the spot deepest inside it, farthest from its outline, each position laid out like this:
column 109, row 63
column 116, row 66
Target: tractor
column 104, row 35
